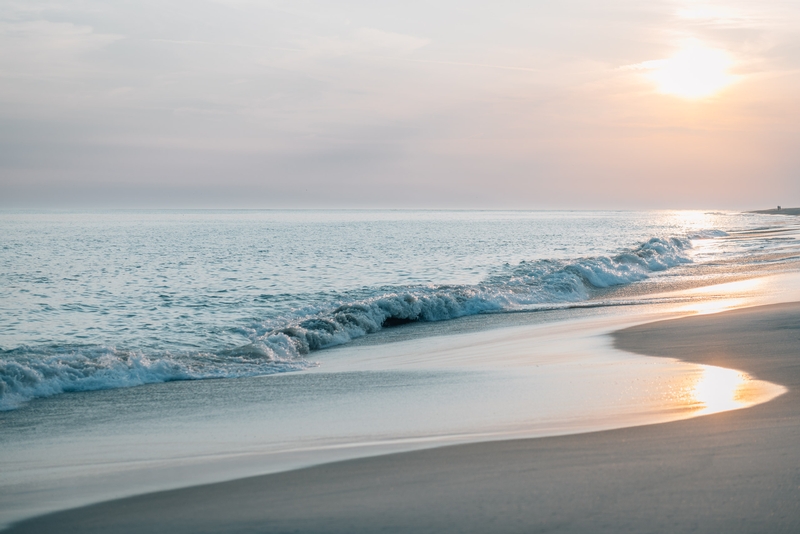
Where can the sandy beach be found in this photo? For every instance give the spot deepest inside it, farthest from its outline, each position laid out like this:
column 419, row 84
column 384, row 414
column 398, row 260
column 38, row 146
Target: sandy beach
column 735, row 471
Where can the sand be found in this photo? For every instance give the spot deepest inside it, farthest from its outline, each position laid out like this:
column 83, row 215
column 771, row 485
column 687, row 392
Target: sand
column 730, row 472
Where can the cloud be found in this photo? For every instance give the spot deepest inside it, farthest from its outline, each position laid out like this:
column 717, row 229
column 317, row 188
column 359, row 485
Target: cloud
column 356, row 98
column 45, row 48
column 371, row 38
column 361, row 42
column 718, row 15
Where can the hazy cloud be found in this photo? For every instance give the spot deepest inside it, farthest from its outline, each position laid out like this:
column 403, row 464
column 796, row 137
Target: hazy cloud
column 277, row 103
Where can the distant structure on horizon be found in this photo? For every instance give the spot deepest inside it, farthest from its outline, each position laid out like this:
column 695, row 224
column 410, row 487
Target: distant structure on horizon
column 780, row 210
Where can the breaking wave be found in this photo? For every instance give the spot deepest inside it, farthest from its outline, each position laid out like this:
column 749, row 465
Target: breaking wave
column 523, row 286
column 27, row 373
column 279, row 344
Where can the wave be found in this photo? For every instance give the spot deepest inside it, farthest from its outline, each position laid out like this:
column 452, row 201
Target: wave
column 27, row 373
column 512, row 288
column 707, row 234
column 280, row 344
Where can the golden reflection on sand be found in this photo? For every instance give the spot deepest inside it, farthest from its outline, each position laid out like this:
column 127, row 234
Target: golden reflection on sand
column 712, row 306
column 717, row 389
column 722, row 297
column 738, row 287
column 721, row 389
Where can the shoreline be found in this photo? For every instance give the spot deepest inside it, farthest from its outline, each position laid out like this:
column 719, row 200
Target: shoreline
column 737, row 471
column 775, row 211
column 483, row 386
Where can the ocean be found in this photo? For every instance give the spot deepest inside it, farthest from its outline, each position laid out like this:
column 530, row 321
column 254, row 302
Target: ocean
column 102, row 300
column 334, row 334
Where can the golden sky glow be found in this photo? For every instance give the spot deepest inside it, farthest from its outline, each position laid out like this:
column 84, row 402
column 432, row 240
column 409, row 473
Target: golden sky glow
column 243, row 103
column 695, row 71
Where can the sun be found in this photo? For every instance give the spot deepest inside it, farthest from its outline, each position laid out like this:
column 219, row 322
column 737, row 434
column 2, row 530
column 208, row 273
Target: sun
column 696, row 71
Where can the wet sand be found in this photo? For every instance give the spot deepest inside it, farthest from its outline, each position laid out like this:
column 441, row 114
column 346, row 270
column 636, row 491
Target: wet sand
column 734, row 471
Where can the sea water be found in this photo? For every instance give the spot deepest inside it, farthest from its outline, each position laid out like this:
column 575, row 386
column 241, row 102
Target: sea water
column 103, row 300
column 340, row 334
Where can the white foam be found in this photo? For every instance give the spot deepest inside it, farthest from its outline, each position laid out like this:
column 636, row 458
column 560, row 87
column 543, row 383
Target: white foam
column 36, row 374
column 524, row 285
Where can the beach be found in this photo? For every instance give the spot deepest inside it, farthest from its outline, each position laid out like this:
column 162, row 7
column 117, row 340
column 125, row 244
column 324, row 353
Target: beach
column 735, row 471
column 364, row 370
column 358, row 267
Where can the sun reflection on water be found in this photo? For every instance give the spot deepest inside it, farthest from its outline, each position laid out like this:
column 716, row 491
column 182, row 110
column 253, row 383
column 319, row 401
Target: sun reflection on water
column 716, row 389
column 712, row 306
column 719, row 389
column 740, row 286
column 722, row 297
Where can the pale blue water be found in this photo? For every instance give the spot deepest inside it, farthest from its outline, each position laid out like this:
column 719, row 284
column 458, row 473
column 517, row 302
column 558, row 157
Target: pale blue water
column 100, row 300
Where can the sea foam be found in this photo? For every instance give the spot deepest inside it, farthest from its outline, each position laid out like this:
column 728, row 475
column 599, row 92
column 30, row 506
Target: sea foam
column 523, row 286
column 27, row 373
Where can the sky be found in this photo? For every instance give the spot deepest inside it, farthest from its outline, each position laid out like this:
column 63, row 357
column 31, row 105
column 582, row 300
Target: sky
column 575, row 104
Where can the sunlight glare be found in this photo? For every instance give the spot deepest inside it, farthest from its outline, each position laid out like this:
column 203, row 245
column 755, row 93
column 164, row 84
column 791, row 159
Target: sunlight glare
column 722, row 297
column 739, row 287
column 696, row 71
column 720, row 389
column 694, row 219
column 708, row 307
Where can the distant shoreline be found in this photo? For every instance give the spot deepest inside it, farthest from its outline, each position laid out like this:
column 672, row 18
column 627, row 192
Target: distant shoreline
column 775, row 211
